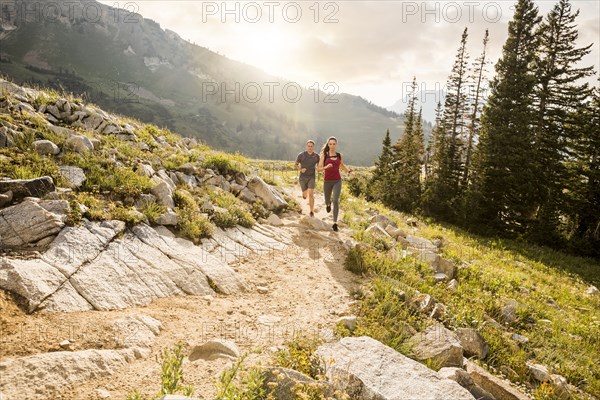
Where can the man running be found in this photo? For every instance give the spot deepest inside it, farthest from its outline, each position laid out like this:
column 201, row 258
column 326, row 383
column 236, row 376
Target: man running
column 306, row 163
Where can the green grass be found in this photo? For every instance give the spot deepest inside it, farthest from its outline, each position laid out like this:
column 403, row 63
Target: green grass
column 236, row 211
column 566, row 339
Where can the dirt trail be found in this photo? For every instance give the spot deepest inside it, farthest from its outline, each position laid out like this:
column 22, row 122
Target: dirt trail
column 307, row 290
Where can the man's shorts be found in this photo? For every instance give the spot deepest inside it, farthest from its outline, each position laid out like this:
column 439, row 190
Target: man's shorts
column 306, row 183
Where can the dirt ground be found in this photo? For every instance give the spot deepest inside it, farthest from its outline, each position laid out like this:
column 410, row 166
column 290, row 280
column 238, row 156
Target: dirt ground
column 307, row 290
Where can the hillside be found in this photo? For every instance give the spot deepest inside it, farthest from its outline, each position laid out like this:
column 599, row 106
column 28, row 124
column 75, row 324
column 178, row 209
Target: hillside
column 131, row 255
column 130, row 65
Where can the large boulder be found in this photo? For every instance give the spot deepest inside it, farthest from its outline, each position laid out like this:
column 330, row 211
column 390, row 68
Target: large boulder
column 163, row 192
column 42, row 376
column 439, row 345
column 25, row 223
column 270, row 197
column 367, row 369
column 37, row 187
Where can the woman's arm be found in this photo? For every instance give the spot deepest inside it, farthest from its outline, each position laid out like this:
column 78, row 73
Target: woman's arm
column 343, row 166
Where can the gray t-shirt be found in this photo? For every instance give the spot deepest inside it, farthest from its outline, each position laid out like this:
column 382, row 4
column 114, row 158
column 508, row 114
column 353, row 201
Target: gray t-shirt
column 308, row 161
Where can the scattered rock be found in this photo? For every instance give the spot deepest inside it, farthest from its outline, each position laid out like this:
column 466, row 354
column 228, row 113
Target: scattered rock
column 45, row 147
column 274, row 220
column 73, row 176
column 214, row 349
column 592, row 290
column 520, row 338
column 20, row 188
column 162, row 191
column 315, row 223
column 395, row 232
column 499, row 388
column 440, row 277
column 80, row 144
column 102, row 393
column 270, row 197
column 145, row 170
column 509, row 312
column 349, row 322
column 438, row 344
column 453, row 285
column 461, row 377
column 438, row 312
column 168, row 218
column 377, row 230
column 6, row 198
column 283, row 383
column 367, row 369
column 472, row 342
column 262, row 289
column 422, row 302
column 247, row 196
column 65, row 344
column 383, row 221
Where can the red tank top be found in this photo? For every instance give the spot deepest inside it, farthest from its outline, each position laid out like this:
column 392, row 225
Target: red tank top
column 332, row 173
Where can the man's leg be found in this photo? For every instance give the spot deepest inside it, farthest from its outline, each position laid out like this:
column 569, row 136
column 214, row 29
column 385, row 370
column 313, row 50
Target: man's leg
column 311, row 199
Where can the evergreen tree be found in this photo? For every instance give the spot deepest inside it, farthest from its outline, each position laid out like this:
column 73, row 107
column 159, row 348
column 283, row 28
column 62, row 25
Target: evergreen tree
column 505, row 190
column 583, row 186
column 379, row 183
column 476, row 105
column 443, row 184
column 408, row 152
column 559, row 95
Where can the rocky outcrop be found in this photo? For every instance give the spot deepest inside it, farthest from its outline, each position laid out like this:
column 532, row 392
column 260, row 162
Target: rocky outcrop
column 439, row 345
column 35, row 376
column 366, row 369
column 270, row 197
column 26, row 223
column 22, row 188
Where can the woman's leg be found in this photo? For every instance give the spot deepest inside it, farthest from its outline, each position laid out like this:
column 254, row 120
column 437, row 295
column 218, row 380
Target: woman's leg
column 337, row 189
column 327, row 188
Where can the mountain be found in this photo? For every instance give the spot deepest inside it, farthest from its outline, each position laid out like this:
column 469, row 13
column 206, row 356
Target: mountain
column 128, row 64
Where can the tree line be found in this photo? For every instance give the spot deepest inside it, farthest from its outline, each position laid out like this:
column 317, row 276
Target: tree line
column 523, row 162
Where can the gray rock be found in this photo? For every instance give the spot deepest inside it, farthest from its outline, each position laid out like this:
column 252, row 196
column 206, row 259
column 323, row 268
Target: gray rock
column 214, row 349
column 136, row 330
column 461, row 377
column 74, row 177
column 168, row 218
column 395, row 232
column 6, row 198
column 453, row 285
column 45, row 147
column 439, row 312
column 422, row 302
column 80, row 144
column 509, row 312
column 274, row 220
column 472, row 342
column 236, row 189
column 59, row 207
column 167, row 178
column 440, row 277
column 446, row 267
column 270, row 197
column 50, row 373
column 439, row 345
column 366, row 369
column 93, row 121
column 592, row 290
column 247, row 196
column 539, row 372
column 283, row 383
column 499, row 388
column 145, row 170
column 145, row 199
column 382, row 220
column 37, row 187
column 349, row 322
column 520, row 338
column 315, row 223
column 189, row 180
column 377, row 230
column 162, row 191
column 27, row 222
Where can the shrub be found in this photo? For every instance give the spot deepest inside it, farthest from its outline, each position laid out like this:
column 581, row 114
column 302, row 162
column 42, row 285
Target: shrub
column 299, row 355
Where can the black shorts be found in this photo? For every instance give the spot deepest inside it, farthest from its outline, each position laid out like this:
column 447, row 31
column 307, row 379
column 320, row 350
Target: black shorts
column 306, row 183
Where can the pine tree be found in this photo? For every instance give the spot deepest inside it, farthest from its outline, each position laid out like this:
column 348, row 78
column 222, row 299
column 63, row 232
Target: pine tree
column 559, row 94
column 504, row 193
column 443, row 185
column 379, row 183
column 476, row 105
column 583, row 185
column 408, row 153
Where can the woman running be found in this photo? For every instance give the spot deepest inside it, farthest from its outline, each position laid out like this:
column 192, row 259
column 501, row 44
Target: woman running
column 331, row 162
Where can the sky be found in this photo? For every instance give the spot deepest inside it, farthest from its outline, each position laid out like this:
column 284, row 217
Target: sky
column 368, row 48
